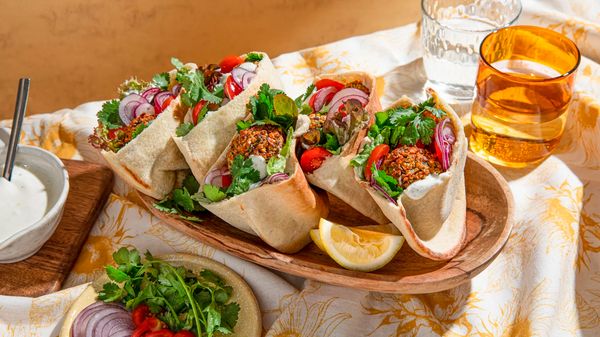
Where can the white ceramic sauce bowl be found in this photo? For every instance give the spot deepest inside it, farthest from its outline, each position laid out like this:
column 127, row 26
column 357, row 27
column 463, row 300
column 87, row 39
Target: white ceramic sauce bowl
column 53, row 174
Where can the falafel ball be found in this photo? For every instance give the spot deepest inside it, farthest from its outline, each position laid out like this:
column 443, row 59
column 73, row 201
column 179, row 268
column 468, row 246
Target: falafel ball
column 410, row 163
column 259, row 140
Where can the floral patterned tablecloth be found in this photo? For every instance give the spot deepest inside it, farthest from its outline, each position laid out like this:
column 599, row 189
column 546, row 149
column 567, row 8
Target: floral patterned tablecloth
column 546, row 281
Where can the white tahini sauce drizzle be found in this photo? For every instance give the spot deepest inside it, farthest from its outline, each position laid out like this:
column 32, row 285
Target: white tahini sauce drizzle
column 23, row 201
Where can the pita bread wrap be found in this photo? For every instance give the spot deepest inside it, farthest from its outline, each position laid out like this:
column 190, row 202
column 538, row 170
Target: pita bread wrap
column 431, row 212
column 267, row 194
column 204, row 143
column 335, row 175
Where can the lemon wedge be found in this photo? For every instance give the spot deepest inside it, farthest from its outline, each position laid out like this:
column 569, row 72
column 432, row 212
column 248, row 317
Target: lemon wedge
column 355, row 248
column 389, row 228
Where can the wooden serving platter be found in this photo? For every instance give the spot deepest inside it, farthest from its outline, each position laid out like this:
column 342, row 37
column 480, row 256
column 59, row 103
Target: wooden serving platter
column 45, row 271
column 489, row 222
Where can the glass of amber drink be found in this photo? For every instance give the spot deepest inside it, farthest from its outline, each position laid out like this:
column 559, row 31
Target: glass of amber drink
column 524, row 88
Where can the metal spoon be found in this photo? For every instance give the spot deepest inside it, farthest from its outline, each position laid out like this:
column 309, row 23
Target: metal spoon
column 15, row 131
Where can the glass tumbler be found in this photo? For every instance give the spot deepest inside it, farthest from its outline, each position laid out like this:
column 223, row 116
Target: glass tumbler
column 451, row 34
column 524, row 88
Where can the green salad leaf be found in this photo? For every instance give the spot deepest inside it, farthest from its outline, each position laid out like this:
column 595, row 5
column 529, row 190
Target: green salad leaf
column 302, row 98
column 180, row 298
column 387, row 182
column 109, row 115
column 277, row 163
column 213, row 193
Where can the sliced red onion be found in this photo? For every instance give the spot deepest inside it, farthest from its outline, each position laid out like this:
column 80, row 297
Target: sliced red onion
column 248, row 66
column 126, row 106
column 247, row 79
column 321, row 97
column 176, row 89
column 102, row 320
column 237, row 73
column 149, row 93
column 215, row 177
column 277, row 177
column 144, row 108
column 342, row 96
column 445, row 138
column 160, row 99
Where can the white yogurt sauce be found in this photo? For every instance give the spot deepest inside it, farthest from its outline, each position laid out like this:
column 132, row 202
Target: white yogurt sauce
column 23, row 201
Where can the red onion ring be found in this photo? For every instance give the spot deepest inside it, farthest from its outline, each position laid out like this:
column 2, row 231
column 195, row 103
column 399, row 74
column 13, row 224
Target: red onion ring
column 444, row 139
column 176, row 89
column 103, row 320
column 344, row 95
column 149, row 93
column 126, row 106
column 247, row 79
column 321, row 97
column 238, row 73
column 160, row 99
column 144, row 108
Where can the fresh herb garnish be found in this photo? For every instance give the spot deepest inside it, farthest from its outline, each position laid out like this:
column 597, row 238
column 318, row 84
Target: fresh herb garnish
column 254, row 57
column 332, row 144
column 109, row 115
column 272, row 106
column 300, row 99
column 161, row 81
column 177, row 296
column 192, row 81
column 277, row 163
column 181, row 201
column 183, row 129
column 243, row 174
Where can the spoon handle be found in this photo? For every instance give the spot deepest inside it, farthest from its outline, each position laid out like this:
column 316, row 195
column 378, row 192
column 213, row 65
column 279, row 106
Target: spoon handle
column 15, row 131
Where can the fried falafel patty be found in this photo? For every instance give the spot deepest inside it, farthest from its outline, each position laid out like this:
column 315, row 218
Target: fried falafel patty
column 260, row 140
column 410, row 163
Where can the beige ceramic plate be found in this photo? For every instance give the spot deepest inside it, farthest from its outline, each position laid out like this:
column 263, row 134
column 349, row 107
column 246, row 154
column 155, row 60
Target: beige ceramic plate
column 249, row 323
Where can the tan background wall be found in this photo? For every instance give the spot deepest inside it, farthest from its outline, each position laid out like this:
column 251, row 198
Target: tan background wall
column 78, row 51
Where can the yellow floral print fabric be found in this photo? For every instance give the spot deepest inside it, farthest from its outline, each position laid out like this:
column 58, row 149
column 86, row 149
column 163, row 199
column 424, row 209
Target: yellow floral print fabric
column 545, row 282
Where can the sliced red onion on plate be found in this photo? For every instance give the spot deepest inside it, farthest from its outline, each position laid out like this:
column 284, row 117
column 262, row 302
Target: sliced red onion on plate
column 321, row 97
column 126, row 106
column 444, row 139
column 149, row 93
column 103, row 320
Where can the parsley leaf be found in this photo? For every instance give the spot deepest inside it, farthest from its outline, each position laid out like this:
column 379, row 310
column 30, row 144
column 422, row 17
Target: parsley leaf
column 181, row 201
column 300, row 99
column 244, row 175
column 193, row 83
column 253, row 57
column 272, row 106
column 183, row 129
column 425, row 127
column 161, row 80
column 109, row 115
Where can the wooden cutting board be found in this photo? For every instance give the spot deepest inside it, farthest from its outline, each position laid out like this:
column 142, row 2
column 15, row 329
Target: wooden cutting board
column 44, row 272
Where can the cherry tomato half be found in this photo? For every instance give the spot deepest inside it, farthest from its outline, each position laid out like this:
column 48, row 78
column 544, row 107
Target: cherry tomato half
column 184, row 333
column 230, row 62
column 197, row 110
column 149, row 324
column 378, row 152
column 165, row 104
column 226, row 180
column 232, row 89
column 313, row 158
column 139, row 314
column 329, row 83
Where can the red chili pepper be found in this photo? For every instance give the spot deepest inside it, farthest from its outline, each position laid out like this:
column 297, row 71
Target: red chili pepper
column 184, row 333
column 161, row 333
column 139, row 314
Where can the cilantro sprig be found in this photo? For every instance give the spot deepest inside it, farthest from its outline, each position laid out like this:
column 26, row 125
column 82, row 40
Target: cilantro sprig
column 182, row 201
column 180, row 298
column 270, row 106
column 192, row 81
column 109, row 115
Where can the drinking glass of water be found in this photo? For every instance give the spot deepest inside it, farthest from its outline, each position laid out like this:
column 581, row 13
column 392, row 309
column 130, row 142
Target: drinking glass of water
column 451, row 35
